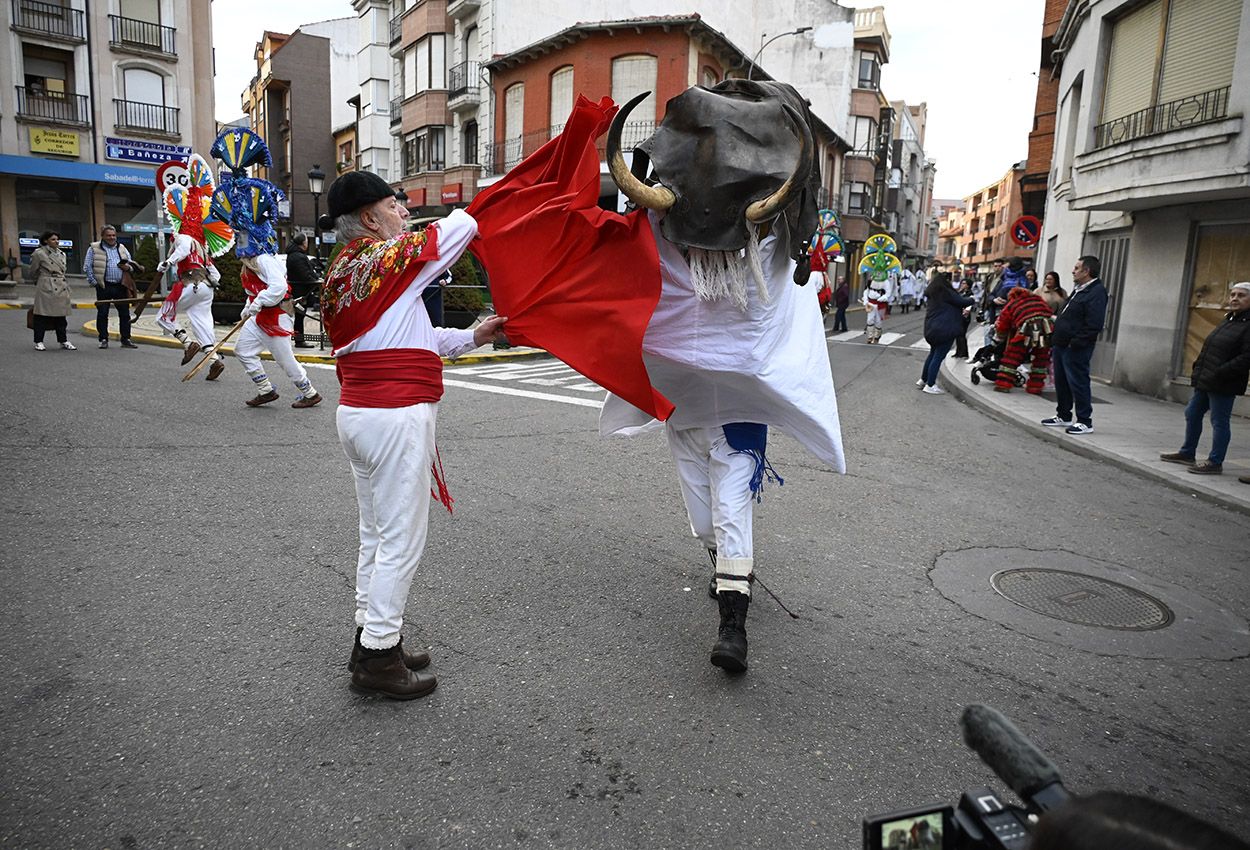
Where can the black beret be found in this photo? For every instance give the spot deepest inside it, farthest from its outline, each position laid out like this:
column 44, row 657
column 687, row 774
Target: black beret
column 354, row 190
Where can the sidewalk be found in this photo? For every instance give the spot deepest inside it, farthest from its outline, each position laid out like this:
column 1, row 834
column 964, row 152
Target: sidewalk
column 147, row 331
column 1130, row 430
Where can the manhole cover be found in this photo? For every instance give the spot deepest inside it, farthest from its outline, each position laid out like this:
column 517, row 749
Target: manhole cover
column 1082, row 599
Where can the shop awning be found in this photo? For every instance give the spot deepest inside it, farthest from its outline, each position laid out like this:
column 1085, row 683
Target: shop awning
column 90, row 172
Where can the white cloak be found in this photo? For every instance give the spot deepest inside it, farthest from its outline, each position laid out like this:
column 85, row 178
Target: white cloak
column 718, row 364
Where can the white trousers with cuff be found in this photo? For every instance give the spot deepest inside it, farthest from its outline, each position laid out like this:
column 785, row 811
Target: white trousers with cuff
column 196, row 303
column 716, row 488
column 390, row 450
column 253, row 340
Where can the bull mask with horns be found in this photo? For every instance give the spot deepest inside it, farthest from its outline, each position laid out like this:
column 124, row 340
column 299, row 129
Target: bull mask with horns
column 738, row 153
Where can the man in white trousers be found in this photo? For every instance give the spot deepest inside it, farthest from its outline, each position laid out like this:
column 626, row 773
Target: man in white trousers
column 270, row 328
column 389, row 360
column 191, row 296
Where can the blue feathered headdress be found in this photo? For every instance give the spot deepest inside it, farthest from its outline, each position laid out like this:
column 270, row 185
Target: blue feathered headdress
column 249, row 204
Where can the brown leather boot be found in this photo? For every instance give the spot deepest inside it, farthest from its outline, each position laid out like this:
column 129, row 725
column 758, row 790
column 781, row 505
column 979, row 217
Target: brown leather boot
column 215, row 370
column 414, row 660
column 307, row 401
column 188, row 353
column 382, row 672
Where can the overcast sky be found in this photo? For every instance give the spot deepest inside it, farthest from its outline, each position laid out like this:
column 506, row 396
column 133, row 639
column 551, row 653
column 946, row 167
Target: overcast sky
column 973, row 61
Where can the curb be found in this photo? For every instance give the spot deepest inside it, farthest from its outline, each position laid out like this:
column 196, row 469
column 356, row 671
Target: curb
column 89, row 330
column 957, row 388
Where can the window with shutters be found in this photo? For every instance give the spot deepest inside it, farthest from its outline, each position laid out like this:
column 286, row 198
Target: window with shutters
column 1169, row 66
column 631, row 76
column 513, row 123
column 431, row 63
column 561, row 99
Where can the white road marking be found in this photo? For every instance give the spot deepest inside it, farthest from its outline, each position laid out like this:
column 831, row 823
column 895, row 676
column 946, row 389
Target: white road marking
column 888, row 338
column 846, row 336
column 920, row 344
column 581, row 402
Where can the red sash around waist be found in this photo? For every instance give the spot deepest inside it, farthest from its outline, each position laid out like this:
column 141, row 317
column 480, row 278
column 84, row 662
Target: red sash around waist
column 392, row 377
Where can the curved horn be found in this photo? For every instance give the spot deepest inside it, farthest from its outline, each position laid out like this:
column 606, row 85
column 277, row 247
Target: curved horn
column 779, row 200
column 651, row 197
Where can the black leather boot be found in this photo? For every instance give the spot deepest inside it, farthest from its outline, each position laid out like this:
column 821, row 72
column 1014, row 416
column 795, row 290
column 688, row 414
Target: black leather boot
column 730, row 650
column 382, row 672
column 413, row 659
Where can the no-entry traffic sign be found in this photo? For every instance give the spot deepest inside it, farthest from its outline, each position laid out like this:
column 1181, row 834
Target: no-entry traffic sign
column 1026, row 230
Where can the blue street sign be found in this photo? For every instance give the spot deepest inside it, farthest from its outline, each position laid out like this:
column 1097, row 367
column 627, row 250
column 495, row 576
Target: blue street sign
column 135, row 150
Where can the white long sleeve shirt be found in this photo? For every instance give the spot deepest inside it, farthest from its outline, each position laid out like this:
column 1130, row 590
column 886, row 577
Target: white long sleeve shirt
column 406, row 323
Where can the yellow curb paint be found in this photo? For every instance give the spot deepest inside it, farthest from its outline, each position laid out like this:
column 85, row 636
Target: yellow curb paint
column 89, row 329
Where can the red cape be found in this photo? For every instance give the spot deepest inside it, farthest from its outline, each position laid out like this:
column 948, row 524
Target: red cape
column 574, row 279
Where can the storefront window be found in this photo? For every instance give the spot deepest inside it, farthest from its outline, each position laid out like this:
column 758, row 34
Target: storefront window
column 1221, row 258
column 53, row 205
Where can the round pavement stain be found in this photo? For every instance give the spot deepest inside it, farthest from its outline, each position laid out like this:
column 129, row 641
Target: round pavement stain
column 1089, row 604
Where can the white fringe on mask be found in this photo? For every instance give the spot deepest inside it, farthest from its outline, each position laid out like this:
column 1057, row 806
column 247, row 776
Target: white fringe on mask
column 719, row 275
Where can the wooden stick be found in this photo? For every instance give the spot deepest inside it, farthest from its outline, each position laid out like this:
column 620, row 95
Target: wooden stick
column 210, row 354
column 134, row 300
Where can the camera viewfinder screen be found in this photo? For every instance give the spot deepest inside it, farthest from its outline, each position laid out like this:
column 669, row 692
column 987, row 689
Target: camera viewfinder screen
column 918, row 832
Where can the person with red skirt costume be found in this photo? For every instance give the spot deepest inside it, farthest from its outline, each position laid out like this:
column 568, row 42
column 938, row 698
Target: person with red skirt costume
column 1025, row 322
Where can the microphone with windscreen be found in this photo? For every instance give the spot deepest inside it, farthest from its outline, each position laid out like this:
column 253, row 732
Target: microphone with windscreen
column 1006, row 751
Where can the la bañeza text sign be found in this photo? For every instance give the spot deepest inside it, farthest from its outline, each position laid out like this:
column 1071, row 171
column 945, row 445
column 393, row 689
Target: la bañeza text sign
column 134, row 150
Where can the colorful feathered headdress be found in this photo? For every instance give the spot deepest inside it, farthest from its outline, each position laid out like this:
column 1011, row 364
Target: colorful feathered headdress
column 189, row 209
column 250, row 204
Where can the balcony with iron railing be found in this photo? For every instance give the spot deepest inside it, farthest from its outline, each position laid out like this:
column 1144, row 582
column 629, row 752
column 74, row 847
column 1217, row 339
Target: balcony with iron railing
column 35, row 104
column 50, row 20
column 501, row 157
column 397, row 110
column 396, row 29
column 462, row 78
column 1188, row 111
column 131, row 33
column 148, row 117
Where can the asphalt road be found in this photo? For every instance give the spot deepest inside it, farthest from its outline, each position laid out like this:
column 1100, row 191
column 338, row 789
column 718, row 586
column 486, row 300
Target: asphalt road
column 176, row 618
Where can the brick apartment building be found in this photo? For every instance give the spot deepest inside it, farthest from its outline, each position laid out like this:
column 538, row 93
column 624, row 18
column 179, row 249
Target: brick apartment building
column 988, row 215
column 535, row 87
column 286, row 103
column 871, row 129
column 1036, row 175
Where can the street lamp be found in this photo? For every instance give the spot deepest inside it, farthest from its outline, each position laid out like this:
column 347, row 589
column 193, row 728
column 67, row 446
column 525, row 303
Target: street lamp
column 316, row 182
column 798, row 31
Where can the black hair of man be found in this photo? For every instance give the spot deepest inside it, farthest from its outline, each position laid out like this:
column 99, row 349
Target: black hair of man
column 300, row 240
column 1092, row 264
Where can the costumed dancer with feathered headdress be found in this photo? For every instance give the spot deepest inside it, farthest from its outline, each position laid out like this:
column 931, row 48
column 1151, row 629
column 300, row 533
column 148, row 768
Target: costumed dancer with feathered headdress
column 249, row 205
column 198, row 237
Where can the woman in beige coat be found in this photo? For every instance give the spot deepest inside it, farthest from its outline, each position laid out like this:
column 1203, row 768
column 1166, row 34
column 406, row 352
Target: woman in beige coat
column 52, row 302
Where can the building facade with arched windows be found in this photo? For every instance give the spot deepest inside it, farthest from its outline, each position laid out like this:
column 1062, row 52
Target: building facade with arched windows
column 535, row 87
column 98, row 100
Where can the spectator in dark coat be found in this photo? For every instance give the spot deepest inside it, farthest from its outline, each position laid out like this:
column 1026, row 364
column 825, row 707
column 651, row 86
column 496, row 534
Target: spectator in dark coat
column 841, row 300
column 1220, row 374
column 1077, row 327
column 943, row 323
column 303, row 279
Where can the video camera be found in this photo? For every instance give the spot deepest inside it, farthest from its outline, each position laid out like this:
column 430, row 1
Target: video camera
column 981, row 820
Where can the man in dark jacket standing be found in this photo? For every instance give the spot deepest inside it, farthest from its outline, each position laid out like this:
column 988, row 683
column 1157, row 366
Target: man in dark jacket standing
column 303, row 279
column 1220, row 374
column 1079, row 322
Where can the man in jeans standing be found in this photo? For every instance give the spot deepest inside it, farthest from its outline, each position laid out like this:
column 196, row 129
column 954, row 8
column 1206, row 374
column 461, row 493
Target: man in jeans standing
column 103, row 267
column 1079, row 322
column 1219, row 375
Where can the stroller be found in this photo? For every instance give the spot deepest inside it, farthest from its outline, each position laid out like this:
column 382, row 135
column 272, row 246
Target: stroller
column 988, row 360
